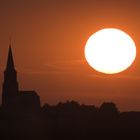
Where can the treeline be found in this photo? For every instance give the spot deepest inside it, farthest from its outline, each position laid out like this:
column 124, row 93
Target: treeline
column 71, row 121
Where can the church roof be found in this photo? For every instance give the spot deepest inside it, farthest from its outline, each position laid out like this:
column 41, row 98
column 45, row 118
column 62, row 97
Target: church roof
column 28, row 93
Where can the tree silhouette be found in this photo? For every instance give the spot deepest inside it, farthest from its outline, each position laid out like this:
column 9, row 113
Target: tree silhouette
column 108, row 108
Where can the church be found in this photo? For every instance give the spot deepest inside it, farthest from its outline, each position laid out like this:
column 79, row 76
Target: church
column 14, row 99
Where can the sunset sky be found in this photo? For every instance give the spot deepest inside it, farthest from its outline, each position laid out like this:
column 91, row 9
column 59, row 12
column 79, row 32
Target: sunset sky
column 48, row 39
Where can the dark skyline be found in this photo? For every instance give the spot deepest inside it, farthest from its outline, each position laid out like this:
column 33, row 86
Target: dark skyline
column 48, row 40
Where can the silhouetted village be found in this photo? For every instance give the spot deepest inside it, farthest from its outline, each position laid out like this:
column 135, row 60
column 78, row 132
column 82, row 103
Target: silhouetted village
column 22, row 117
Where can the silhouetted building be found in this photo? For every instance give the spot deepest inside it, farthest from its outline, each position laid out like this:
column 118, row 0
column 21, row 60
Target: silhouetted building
column 12, row 97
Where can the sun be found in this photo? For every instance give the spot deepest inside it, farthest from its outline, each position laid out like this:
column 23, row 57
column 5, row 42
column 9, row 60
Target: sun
column 110, row 51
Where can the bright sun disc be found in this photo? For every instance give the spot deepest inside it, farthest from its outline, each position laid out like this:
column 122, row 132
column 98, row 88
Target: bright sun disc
column 110, row 51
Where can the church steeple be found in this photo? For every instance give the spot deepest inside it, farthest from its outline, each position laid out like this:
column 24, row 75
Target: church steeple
column 10, row 61
column 10, row 84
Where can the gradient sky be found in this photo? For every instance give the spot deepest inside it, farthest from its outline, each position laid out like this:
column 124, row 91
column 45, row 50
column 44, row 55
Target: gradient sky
column 48, row 40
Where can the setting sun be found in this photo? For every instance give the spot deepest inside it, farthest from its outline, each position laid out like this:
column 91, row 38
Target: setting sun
column 110, row 51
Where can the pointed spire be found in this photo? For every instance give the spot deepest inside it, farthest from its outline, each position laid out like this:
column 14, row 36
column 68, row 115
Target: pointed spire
column 10, row 62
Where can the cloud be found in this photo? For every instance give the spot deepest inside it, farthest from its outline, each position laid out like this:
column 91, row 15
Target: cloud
column 56, row 67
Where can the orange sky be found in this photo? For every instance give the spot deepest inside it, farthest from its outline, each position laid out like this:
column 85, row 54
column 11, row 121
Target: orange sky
column 48, row 39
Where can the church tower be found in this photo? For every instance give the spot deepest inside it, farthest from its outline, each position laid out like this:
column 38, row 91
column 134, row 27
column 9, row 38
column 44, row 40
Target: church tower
column 10, row 89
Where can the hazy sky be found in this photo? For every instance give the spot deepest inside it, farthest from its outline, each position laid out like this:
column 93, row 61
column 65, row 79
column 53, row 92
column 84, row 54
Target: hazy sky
column 48, row 40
